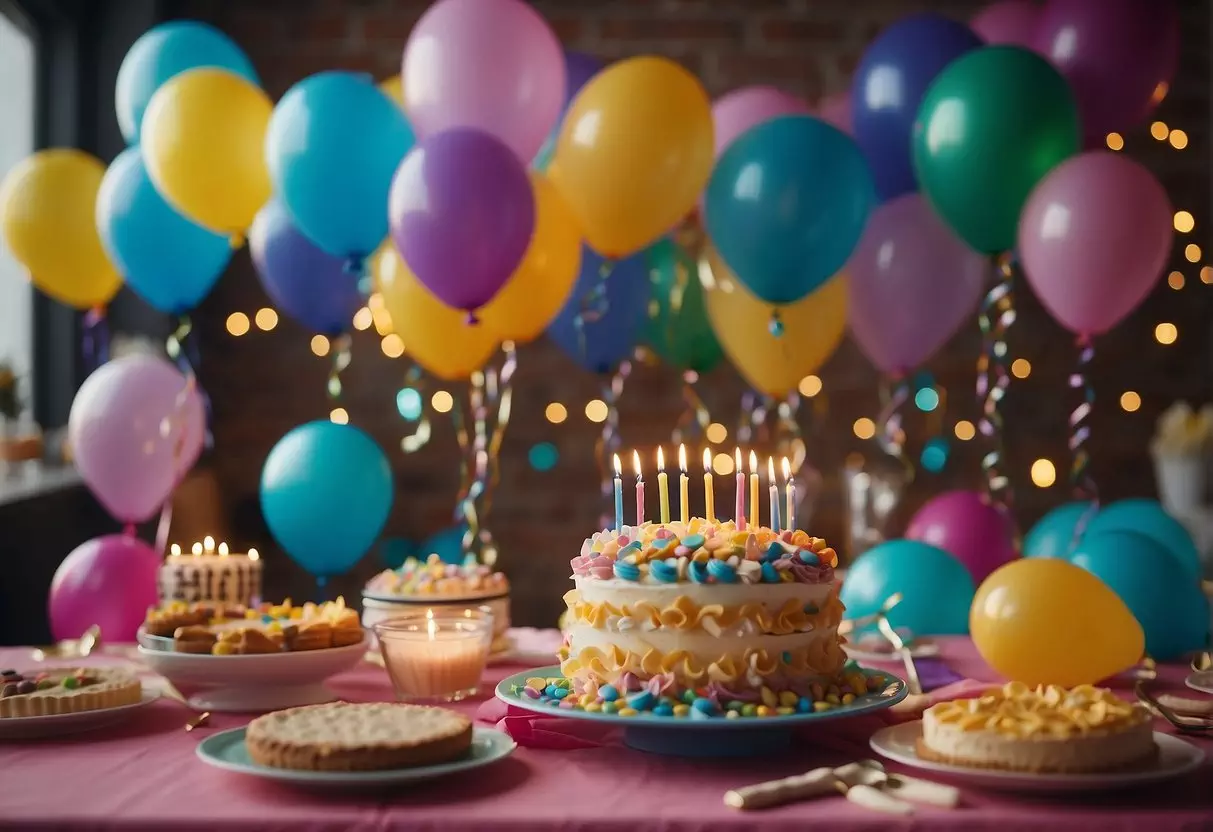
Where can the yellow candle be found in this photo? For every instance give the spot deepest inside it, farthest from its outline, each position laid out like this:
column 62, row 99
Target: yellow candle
column 709, row 488
column 663, row 487
column 753, row 490
column 683, row 483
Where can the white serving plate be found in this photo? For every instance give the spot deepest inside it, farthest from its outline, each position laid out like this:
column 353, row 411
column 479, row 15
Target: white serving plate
column 1201, row 680
column 253, row 683
column 57, row 725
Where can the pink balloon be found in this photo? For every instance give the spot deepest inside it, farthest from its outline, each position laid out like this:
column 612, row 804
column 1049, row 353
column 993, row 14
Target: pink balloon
column 836, row 110
column 1094, row 238
column 913, row 284
column 136, row 427
column 739, row 110
column 966, row 525
column 494, row 65
column 108, row 581
column 1010, row 22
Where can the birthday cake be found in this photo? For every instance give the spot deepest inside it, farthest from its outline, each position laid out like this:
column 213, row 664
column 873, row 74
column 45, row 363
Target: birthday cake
column 731, row 614
column 210, row 574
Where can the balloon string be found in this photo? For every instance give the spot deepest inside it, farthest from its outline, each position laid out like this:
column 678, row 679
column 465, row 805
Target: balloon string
column 183, row 350
column 890, row 436
column 95, row 338
column 175, row 422
column 609, row 442
column 342, row 356
column 995, row 318
column 695, row 416
column 504, row 404
column 1080, row 429
column 415, row 441
column 594, row 305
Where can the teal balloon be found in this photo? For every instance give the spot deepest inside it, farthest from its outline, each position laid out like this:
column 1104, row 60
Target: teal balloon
column 786, row 205
column 678, row 327
column 326, row 491
column 1170, row 606
column 447, row 544
column 936, row 588
column 1053, row 534
column 1149, row 518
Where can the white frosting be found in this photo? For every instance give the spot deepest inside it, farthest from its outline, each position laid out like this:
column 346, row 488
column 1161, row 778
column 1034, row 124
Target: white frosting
column 620, row 593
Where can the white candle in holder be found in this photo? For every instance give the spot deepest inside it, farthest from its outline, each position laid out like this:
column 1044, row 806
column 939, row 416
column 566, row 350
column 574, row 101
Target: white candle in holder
column 436, row 657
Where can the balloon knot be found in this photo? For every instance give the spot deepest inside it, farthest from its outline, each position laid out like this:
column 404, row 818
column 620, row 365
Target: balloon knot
column 355, row 265
column 471, row 319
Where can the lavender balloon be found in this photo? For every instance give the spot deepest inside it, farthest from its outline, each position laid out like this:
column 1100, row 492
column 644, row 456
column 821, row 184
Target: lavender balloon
column 136, row 427
column 739, row 110
column 462, row 214
column 109, row 582
column 304, row 281
column 579, row 69
column 913, row 284
column 967, row 526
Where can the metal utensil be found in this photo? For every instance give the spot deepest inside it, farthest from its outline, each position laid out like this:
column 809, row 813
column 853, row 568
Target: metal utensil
column 849, row 625
column 1202, row 661
column 1182, row 724
column 170, row 690
column 907, row 657
column 76, row 648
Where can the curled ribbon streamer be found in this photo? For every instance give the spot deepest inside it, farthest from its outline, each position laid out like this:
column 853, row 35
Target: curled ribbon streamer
column 95, row 338
column 505, row 399
column 594, row 304
column 341, row 359
column 695, row 416
column 182, row 348
column 890, row 435
column 415, row 441
column 995, row 318
column 609, row 442
column 176, row 420
column 1081, row 480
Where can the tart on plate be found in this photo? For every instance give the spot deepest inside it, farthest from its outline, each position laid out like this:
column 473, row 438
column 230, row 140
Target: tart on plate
column 1047, row 729
column 66, row 690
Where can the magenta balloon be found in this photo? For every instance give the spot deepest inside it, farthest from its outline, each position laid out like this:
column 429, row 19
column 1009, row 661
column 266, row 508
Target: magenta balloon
column 494, row 65
column 136, row 427
column 835, row 110
column 739, row 110
column 109, row 582
column 462, row 214
column 1010, row 22
column 1118, row 55
column 1094, row 238
column 913, row 284
column 966, row 525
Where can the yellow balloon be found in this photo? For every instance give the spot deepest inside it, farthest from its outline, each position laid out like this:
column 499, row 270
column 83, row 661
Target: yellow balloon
column 393, row 89
column 1047, row 621
column 541, row 284
column 634, row 153
column 812, row 328
column 47, row 221
column 203, row 139
column 435, row 335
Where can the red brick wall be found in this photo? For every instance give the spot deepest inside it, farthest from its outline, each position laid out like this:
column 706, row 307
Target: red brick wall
column 265, row 383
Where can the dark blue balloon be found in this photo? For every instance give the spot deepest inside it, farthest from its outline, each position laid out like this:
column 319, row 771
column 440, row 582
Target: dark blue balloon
column 579, row 69
column 313, row 287
column 612, row 310
column 1162, row 596
column 892, row 77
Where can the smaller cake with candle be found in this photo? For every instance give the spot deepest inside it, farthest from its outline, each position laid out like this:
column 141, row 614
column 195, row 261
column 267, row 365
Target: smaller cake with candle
column 726, row 609
column 210, row 574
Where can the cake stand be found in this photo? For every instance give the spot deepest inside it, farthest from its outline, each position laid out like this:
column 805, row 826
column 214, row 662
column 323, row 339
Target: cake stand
column 711, row 736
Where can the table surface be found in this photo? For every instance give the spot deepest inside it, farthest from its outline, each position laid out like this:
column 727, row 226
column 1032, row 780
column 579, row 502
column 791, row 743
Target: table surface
column 144, row 775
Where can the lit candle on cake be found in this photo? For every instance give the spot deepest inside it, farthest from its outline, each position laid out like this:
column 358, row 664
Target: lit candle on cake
column 618, row 495
column 683, row 486
column 663, row 487
column 753, row 489
column 739, row 512
column 211, row 573
column 790, row 488
column 709, row 497
column 773, row 494
column 639, row 489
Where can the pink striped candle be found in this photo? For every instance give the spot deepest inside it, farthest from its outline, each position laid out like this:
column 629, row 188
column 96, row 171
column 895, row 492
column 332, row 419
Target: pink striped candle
column 739, row 513
column 639, row 489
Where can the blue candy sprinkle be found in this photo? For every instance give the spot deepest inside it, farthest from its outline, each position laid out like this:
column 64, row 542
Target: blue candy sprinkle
column 666, row 573
column 769, row 574
column 804, row 705
column 550, row 690
column 693, row 541
column 697, row 714
column 664, row 709
column 627, row 571
column 809, row 557
column 703, row 705
column 634, row 546
column 552, row 703
column 787, row 657
column 698, row 572
column 641, row 700
column 266, row 619
column 722, row 572
column 608, row 693
column 561, row 693
column 774, row 551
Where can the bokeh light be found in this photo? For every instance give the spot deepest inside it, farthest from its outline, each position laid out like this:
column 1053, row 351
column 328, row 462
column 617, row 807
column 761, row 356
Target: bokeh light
column 1130, row 401
column 1044, row 473
column 543, row 456
column 1176, row 280
column 266, row 319
column 809, row 386
column 1166, row 334
column 442, row 401
column 722, row 464
column 716, row 433
column 320, row 345
column 556, row 413
column 596, row 410
column 409, row 404
column 1021, row 368
column 363, row 319
column 964, row 430
column 864, row 428
column 392, row 345
column 339, row 416
column 1115, row 141
column 926, row 399
column 934, row 456
column 1184, row 222
column 237, row 323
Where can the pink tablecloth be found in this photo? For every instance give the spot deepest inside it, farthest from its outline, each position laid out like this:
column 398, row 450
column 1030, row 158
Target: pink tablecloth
column 144, row 775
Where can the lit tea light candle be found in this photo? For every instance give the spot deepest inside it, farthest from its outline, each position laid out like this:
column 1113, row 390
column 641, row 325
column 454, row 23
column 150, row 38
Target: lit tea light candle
column 739, row 511
column 618, row 495
column 639, row 488
column 753, row 489
column 709, row 496
column 436, row 658
column 663, row 487
column 773, row 494
column 683, row 486
column 790, row 489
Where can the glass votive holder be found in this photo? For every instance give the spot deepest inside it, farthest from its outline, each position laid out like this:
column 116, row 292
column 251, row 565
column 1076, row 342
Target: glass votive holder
column 436, row 655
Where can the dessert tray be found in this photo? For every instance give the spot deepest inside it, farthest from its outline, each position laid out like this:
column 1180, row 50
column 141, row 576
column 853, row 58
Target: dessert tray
column 697, row 728
column 1175, row 758
column 226, row 750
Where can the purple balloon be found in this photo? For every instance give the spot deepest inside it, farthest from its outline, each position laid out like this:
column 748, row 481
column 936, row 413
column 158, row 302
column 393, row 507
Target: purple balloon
column 913, row 284
column 109, row 582
column 315, row 288
column 462, row 215
column 1118, row 55
column 1010, row 22
column 967, row 526
column 136, row 427
column 579, row 69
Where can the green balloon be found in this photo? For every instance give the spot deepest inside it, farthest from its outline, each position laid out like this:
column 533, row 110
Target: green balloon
column 992, row 124
column 678, row 328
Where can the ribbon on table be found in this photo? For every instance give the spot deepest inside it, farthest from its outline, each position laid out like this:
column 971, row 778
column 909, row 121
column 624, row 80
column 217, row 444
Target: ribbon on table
column 890, row 435
column 609, row 441
column 95, row 338
column 995, row 318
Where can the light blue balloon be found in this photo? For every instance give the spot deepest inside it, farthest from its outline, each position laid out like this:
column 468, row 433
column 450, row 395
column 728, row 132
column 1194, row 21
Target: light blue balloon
column 1149, row 518
column 1170, row 606
column 786, row 205
column 326, row 490
column 333, row 146
column 167, row 260
column 936, row 588
column 161, row 54
column 1053, row 534
column 447, row 544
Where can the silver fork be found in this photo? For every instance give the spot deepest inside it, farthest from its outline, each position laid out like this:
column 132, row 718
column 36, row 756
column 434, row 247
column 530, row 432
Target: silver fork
column 1183, row 724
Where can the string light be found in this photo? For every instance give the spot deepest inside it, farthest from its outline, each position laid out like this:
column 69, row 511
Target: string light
column 339, row 416
column 363, row 319
column 320, row 345
column 716, row 433
column 809, row 386
column 1115, row 141
column 596, row 410
column 1160, row 130
column 1175, row 280
column 1206, row 274
column 408, row 404
column 1044, row 473
column 442, row 401
column 266, row 319
column 1184, row 222
column 237, row 324
column 556, row 413
column 864, row 428
column 1166, row 333
column 722, row 464
column 379, row 315
column 926, row 399
column 964, row 430
column 1192, row 252
column 1179, row 139
column 1021, row 368
column 1130, row 402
